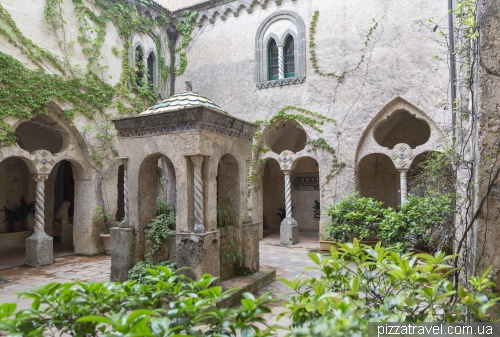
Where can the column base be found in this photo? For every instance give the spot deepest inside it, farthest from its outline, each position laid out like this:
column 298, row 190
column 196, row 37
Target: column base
column 289, row 232
column 122, row 253
column 250, row 241
column 199, row 252
column 39, row 250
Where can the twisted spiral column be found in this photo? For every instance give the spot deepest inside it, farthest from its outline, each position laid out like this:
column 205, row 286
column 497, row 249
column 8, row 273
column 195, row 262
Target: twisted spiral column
column 281, row 62
column 125, row 192
column 40, row 202
column 288, row 195
column 402, row 179
column 198, row 194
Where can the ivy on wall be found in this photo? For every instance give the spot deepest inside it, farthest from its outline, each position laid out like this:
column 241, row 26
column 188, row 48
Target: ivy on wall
column 307, row 117
column 314, row 58
column 25, row 93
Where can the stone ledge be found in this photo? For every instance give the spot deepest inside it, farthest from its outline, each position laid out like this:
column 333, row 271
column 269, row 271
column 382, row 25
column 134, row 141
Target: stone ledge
column 254, row 282
column 12, row 240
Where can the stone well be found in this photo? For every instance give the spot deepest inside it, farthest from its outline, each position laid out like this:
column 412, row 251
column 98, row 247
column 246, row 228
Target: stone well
column 207, row 151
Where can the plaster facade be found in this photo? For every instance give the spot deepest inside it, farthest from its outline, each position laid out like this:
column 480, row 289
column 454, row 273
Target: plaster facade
column 227, row 62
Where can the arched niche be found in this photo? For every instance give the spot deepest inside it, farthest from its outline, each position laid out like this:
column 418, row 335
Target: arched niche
column 377, row 178
column 228, row 182
column 16, row 182
column 287, row 135
column 402, row 127
column 120, row 207
column 60, row 189
column 305, row 190
column 42, row 133
column 273, row 184
column 422, row 181
column 150, row 179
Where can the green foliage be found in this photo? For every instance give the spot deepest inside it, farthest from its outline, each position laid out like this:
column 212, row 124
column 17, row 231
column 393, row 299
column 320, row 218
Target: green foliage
column 423, row 223
column 140, row 274
column 169, row 304
column 321, row 143
column 355, row 215
column 104, row 217
column 230, row 254
column 282, row 213
column 185, row 28
column 313, row 57
column 160, row 226
column 226, row 215
column 359, row 284
column 19, row 213
column 317, row 209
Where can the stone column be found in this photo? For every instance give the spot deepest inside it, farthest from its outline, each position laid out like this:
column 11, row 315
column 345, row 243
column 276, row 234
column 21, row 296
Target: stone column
column 125, row 223
column 122, row 259
column 281, row 62
column 402, row 179
column 289, row 230
column 39, row 246
column 198, row 194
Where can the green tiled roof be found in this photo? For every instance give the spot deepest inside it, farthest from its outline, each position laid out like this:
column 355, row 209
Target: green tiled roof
column 186, row 99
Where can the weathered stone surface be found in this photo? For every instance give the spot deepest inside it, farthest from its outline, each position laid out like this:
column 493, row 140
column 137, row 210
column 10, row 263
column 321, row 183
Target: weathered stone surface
column 200, row 252
column 250, row 242
column 122, row 253
column 39, row 250
column 289, row 232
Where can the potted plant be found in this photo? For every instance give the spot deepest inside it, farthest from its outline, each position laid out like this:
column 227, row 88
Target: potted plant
column 16, row 217
column 422, row 223
column 326, row 242
column 355, row 216
column 104, row 217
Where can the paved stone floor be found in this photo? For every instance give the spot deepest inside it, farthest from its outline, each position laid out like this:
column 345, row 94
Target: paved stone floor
column 288, row 261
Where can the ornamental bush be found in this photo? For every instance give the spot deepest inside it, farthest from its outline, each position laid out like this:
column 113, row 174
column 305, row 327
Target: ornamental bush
column 169, row 305
column 353, row 216
column 423, row 223
column 359, row 284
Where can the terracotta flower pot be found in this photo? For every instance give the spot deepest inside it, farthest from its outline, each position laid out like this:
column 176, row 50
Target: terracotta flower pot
column 106, row 240
column 324, row 246
column 16, row 226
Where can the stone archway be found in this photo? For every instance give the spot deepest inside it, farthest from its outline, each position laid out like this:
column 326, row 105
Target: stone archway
column 152, row 173
column 305, row 183
column 377, row 178
column 273, row 185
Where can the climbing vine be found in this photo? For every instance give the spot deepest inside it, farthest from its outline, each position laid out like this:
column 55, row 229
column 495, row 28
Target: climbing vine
column 26, row 93
column 312, row 118
column 185, row 28
column 321, row 143
column 314, row 59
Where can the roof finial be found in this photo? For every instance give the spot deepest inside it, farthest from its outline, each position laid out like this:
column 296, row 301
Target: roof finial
column 189, row 87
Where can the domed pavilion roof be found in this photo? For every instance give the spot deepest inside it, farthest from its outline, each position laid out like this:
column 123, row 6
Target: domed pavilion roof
column 183, row 100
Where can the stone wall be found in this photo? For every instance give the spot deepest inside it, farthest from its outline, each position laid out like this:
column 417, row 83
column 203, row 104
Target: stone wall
column 487, row 231
column 398, row 63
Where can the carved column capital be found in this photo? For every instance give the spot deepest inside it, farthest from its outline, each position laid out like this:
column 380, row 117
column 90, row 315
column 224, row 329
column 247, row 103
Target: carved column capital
column 197, row 160
column 40, row 178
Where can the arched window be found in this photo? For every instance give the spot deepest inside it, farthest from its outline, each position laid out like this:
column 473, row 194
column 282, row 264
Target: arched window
column 150, row 70
column 289, row 58
column 139, row 66
column 273, row 64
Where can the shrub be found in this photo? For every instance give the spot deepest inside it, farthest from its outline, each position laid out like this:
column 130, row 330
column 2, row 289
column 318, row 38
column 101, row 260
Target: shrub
column 160, row 226
column 139, row 271
column 381, row 285
column 171, row 305
column 423, row 223
column 355, row 215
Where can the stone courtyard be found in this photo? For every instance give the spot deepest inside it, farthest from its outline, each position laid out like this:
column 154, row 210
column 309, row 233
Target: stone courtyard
column 288, row 261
